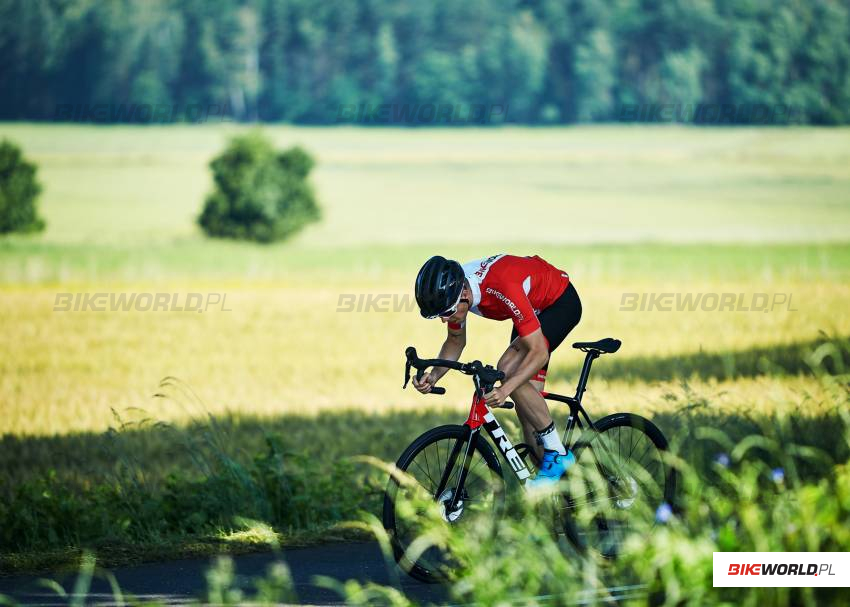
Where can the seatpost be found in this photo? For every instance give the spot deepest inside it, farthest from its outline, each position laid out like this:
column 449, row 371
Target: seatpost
column 585, row 373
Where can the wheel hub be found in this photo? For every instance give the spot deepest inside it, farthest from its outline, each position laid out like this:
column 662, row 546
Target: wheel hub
column 627, row 492
column 445, row 499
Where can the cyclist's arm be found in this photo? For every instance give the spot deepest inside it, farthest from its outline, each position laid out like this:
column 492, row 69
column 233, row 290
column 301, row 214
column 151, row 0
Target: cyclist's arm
column 531, row 338
column 452, row 348
column 537, row 356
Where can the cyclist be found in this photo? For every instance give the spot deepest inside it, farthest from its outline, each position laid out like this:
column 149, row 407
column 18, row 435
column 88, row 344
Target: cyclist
column 544, row 306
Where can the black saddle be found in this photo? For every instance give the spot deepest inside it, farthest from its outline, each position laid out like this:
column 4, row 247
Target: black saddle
column 609, row 345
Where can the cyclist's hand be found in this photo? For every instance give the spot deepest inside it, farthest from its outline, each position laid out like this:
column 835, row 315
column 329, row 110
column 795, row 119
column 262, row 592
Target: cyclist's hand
column 496, row 398
column 424, row 386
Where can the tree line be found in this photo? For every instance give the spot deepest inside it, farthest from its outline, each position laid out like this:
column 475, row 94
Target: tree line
column 538, row 61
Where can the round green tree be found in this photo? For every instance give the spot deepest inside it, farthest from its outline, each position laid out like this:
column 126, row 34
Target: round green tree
column 260, row 194
column 19, row 190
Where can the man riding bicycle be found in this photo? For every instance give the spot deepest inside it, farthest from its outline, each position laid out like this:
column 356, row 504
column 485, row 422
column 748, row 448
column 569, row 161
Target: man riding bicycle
column 544, row 307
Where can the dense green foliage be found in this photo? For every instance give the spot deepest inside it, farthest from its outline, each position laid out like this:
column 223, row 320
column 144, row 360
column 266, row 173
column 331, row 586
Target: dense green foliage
column 128, row 506
column 758, row 494
column 768, row 490
column 19, row 190
column 260, row 194
column 548, row 60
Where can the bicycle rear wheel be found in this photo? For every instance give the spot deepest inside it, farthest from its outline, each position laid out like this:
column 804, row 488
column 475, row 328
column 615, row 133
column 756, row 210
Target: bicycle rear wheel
column 434, row 462
column 619, row 481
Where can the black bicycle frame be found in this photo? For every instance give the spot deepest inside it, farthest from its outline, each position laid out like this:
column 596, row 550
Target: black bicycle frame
column 481, row 415
column 574, row 403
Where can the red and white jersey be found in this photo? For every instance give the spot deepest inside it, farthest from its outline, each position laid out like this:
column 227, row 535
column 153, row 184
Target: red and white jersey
column 507, row 286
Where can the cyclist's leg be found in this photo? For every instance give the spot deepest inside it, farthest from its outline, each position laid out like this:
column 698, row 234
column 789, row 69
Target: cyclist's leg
column 508, row 363
column 532, row 411
column 556, row 322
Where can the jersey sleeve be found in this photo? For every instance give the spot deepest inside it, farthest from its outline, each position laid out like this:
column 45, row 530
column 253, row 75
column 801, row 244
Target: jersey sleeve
column 522, row 312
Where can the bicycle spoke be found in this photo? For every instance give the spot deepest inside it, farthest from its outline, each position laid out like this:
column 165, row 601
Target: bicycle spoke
column 648, row 447
column 433, row 484
column 439, row 464
column 475, row 483
column 480, row 459
column 631, row 447
column 427, row 464
column 619, row 442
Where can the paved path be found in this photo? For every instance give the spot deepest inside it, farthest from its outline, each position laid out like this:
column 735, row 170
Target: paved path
column 182, row 581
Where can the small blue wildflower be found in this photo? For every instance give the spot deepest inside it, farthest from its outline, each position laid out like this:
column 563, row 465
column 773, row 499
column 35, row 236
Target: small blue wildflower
column 663, row 513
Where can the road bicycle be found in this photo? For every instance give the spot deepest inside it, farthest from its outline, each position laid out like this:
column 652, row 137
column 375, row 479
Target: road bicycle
column 460, row 470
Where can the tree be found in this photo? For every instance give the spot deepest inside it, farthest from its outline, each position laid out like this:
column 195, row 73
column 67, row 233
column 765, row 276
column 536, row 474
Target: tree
column 19, row 189
column 260, row 194
column 300, row 61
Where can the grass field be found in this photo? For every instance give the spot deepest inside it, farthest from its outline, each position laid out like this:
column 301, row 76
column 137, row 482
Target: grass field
column 575, row 185
column 624, row 210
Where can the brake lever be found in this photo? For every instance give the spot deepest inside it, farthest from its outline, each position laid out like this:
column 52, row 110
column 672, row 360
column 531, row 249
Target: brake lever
column 407, row 366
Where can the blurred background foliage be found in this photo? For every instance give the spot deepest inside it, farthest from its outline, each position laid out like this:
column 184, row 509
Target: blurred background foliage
column 550, row 61
column 260, row 194
column 19, row 189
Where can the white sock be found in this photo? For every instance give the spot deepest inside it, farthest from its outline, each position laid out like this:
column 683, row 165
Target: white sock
column 549, row 437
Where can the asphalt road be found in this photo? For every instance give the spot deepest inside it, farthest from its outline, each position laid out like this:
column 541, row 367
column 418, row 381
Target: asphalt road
column 182, row 581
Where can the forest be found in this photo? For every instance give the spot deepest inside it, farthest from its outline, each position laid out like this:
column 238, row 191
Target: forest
column 307, row 62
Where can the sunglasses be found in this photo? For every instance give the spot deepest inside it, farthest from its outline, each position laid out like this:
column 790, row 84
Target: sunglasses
column 450, row 313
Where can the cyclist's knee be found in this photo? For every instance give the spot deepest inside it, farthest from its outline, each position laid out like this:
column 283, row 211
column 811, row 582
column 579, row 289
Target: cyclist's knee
column 508, row 362
column 539, row 379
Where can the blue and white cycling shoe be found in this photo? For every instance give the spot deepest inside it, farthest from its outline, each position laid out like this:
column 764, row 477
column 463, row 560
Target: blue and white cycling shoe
column 552, row 468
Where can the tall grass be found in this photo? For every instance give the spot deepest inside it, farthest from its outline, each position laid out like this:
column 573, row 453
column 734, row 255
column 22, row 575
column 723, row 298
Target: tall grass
column 758, row 494
column 749, row 483
column 755, row 498
column 221, row 493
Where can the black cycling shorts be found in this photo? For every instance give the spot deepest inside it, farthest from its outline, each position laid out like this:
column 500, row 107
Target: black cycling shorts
column 559, row 319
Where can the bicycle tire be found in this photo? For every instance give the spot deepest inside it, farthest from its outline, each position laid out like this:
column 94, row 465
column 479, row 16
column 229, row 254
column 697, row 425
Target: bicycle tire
column 605, row 427
column 421, row 569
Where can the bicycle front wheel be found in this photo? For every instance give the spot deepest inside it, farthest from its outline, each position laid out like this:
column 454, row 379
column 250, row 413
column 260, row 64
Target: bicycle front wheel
column 433, row 464
column 620, row 480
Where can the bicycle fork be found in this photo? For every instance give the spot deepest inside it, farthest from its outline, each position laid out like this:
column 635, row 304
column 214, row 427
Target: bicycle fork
column 479, row 415
column 470, row 442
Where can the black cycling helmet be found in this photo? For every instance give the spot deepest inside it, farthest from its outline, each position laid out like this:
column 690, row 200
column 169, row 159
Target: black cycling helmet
column 438, row 286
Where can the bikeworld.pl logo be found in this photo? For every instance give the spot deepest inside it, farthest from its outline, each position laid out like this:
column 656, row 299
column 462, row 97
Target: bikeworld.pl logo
column 706, row 302
column 375, row 302
column 142, row 113
column 508, row 302
column 140, row 302
column 781, row 569
column 422, row 113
